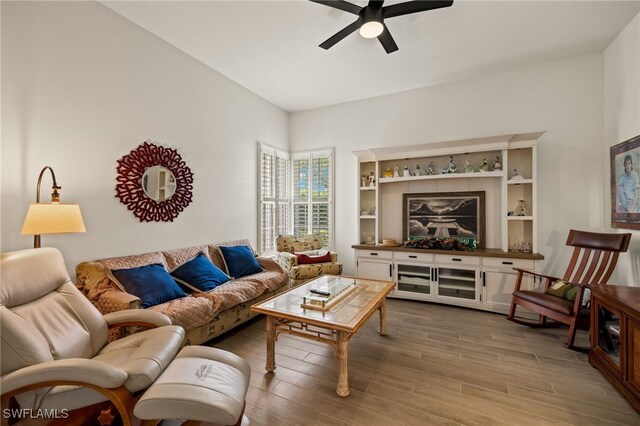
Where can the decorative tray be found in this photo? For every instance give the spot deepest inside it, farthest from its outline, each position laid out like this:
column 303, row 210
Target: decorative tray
column 336, row 288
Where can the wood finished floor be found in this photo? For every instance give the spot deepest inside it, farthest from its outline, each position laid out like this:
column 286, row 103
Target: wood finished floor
column 437, row 365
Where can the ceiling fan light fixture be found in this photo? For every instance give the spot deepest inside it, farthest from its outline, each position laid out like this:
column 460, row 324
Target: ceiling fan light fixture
column 371, row 18
column 371, row 29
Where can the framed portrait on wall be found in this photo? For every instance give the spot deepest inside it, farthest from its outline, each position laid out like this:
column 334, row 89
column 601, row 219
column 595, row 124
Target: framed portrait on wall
column 625, row 184
column 444, row 215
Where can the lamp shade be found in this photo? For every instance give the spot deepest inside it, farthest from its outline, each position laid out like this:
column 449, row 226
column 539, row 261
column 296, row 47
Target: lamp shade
column 53, row 219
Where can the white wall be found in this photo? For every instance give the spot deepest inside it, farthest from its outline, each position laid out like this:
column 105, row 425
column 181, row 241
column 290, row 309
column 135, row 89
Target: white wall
column 563, row 97
column 81, row 87
column 622, row 122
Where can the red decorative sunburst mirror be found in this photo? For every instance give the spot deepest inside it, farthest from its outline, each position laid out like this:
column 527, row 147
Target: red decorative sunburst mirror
column 154, row 183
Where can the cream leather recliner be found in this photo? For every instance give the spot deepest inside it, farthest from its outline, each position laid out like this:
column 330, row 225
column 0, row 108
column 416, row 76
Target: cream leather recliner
column 55, row 353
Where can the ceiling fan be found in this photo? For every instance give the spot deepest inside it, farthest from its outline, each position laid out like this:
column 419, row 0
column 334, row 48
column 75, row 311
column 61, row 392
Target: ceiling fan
column 371, row 18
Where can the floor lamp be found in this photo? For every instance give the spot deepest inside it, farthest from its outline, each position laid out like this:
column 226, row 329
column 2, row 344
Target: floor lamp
column 53, row 218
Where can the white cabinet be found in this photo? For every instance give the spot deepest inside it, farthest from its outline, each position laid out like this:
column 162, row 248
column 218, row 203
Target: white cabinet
column 414, row 280
column 499, row 281
column 458, row 284
column 374, row 265
column 375, row 269
column 499, row 285
column 476, row 279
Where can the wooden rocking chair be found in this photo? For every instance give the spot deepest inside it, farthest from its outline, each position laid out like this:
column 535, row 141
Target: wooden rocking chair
column 594, row 258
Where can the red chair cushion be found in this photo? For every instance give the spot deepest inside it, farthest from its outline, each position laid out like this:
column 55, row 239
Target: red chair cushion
column 303, row 259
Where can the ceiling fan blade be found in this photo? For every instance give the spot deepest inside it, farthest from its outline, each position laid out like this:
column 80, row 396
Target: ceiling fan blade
column 413, row 7
column 387, row 41
column 376, row 3
column 340, row 35
column 339, row 4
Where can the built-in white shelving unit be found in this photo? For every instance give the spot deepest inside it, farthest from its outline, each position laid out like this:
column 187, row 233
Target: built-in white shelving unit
column 483, row 278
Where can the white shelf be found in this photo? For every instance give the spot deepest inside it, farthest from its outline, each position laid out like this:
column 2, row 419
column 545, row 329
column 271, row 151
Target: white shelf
column 367, row 217
column 414, row 274
column 414, row 281
column 495, row 174
column 367, row 188
column 519, row 181
column 519, row 217
column 457, row 287
column 457, row 278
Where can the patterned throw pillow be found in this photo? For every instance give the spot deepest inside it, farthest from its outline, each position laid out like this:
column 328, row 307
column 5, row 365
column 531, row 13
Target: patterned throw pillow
column 568, row 291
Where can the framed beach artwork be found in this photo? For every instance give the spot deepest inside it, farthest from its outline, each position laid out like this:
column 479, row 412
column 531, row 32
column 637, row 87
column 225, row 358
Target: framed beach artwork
column 444, row 215
column 625, row 184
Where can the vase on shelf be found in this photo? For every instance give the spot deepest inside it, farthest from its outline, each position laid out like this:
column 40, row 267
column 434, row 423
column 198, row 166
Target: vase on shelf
column 522, row 209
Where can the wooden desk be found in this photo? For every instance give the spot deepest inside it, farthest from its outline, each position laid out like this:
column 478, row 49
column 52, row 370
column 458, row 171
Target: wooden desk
column 615, row 338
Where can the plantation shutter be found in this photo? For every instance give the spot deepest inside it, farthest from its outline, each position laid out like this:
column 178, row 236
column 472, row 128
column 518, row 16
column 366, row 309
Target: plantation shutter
column 295, row 195
column 274, row 197
column 300, row 195
column 312, row 183
column 320, row 172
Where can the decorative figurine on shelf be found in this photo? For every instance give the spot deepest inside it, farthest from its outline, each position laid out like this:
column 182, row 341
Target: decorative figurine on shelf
column 396, row 172
column 431, row 169
column 406, row 172
column 452, row 165
column 468, row 168
column 451, row 168
column 417, row 172
column 372, row 179
column 497, row 165
column 516, row 176
column 522, row 209
column 387, row 172
column 364, row 181
column 484, row 167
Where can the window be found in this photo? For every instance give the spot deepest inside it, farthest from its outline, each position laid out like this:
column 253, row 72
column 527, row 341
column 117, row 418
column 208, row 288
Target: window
column 295, row 196
column 312, row 194
column 274, row 202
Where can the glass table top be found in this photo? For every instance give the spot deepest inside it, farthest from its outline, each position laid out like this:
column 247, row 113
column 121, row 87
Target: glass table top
column 345, row 314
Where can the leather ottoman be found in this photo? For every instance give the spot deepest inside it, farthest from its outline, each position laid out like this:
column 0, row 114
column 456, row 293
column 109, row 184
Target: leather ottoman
column 201, row 384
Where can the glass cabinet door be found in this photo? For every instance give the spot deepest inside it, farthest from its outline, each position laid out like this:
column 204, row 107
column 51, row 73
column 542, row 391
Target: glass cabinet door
column 608, row 336
column 457, row 283
column 414, row 278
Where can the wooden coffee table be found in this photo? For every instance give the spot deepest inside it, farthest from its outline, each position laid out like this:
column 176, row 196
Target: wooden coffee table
column 335, row 325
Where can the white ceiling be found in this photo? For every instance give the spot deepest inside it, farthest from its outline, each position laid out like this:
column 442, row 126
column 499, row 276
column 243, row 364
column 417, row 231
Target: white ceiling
column 271, row 47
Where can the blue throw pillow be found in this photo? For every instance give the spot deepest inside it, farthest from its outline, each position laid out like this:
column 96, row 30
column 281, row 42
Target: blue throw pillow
column 200, row 274
column 240, row 261
column 151, row 283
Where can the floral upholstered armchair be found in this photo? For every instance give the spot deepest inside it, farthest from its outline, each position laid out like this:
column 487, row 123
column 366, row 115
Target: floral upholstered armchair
column 304, row 258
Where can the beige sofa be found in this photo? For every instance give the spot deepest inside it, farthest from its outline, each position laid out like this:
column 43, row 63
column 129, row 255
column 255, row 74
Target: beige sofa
column 202, row 315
